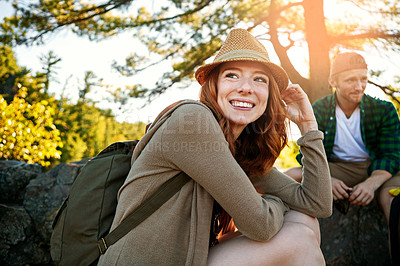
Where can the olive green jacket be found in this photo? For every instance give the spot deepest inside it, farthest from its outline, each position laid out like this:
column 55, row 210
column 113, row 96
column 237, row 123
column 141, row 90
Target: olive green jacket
column 188, row 138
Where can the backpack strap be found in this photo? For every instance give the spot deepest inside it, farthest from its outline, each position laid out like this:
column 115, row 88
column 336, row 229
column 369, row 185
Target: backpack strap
column 148, row 206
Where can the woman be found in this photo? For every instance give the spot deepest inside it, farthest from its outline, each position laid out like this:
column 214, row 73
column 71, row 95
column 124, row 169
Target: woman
column 227, row 143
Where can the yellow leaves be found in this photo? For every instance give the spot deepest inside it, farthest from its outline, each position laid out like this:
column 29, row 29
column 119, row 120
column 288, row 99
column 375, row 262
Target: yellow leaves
column 28, row 132
column 143, row 12
column 287, row 158
column 44, row 102
column 154, row 46
column 394, row 192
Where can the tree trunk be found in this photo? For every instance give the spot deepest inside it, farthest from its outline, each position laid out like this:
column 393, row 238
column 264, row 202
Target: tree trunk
column 318, row 48
column 281, row 51
column 316, row 86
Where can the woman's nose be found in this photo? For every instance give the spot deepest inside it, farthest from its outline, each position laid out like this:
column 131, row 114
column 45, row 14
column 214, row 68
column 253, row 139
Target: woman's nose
column 245, row 86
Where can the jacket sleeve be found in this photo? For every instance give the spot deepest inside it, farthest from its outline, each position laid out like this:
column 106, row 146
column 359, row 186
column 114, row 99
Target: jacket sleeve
column 319, row 108
column 314, row 195
column 193, row 142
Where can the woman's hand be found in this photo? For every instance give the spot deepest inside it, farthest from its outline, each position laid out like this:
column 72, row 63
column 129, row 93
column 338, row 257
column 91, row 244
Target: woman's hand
column 299, row 108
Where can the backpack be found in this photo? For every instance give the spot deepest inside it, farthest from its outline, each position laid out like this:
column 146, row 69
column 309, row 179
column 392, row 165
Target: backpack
column 81, row 227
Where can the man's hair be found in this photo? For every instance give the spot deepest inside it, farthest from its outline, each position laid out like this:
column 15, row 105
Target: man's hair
column 347, row 61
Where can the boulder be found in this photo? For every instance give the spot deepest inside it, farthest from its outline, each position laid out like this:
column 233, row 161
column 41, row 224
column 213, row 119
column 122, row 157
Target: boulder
column 359, row 237
column 19, row 242
column 27, row 212
column 45, row 194
column 30, row 198
column 14, row 177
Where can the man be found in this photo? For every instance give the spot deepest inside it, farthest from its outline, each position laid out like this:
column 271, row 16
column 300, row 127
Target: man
column 361, row 137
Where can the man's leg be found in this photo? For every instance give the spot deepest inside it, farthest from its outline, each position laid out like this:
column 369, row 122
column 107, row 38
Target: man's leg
column 384, row 198
column 385, row 201
column 351, row 173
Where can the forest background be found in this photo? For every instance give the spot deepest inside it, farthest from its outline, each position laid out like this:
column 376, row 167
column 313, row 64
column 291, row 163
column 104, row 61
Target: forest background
column 49, row 114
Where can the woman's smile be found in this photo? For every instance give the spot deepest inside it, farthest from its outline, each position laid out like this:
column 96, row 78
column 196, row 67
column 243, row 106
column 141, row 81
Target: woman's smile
column 242, row 104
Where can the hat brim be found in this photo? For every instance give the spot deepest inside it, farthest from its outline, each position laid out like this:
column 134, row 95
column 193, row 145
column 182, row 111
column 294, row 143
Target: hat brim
column 277, row 72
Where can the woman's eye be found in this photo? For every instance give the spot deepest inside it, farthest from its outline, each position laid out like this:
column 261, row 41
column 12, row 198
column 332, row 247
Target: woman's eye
column 260, row 79
column 231, row 75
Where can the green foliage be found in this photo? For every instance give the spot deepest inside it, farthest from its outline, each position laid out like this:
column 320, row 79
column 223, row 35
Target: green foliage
column 14, row 77
column 37, row 128
column 28, row 132
column 86, row 130
column 74, row 148
column 287, row 158
column 27, row 127
column 130, row 131
column 10, row 72
column 8, row 63
column 187, row 33
column 391, row 90
column 90, row 80
column 49, row 61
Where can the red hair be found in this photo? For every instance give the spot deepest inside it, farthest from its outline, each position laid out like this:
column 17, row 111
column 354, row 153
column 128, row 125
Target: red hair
column 259, row 144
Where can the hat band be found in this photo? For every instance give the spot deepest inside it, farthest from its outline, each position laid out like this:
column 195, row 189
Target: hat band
column 242, row 53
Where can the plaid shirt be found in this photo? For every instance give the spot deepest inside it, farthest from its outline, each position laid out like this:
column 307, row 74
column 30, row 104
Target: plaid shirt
column 380, row 131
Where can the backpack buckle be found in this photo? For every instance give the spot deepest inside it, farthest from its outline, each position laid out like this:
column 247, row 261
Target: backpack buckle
column 101, row 244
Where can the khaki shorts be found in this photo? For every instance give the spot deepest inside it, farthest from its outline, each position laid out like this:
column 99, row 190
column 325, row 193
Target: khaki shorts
column 352, row 173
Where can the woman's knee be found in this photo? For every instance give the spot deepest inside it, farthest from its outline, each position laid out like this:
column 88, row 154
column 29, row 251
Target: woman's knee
column 305, row 225
column 295, row 172
column 303, row 238
column 297, row 236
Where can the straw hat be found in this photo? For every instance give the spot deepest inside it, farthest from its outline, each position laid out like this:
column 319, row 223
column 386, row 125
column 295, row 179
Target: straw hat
column 240, row 45
column 347, row 61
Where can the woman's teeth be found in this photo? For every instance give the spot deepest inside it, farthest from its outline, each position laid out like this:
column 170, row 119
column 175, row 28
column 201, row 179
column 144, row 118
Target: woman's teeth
column 241, row 104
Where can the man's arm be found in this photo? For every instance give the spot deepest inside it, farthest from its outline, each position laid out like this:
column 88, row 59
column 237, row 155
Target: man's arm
column 387, row 149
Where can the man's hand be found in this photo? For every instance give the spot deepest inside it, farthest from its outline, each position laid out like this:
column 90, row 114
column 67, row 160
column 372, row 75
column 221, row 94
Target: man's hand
column 363, row 194
column 339, row 189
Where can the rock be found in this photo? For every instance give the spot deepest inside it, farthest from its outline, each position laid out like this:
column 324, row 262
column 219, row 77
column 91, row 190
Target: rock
column 14, row 177
column 29, row 202
column 358, row 238
column 30, row 198
column 45, row 194
column 19, row 244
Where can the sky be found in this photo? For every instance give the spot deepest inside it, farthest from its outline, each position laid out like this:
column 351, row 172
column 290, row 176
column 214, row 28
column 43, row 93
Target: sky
column 79, row 55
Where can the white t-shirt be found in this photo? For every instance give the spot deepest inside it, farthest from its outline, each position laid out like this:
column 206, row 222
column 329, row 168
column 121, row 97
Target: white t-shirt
column 348, row 144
